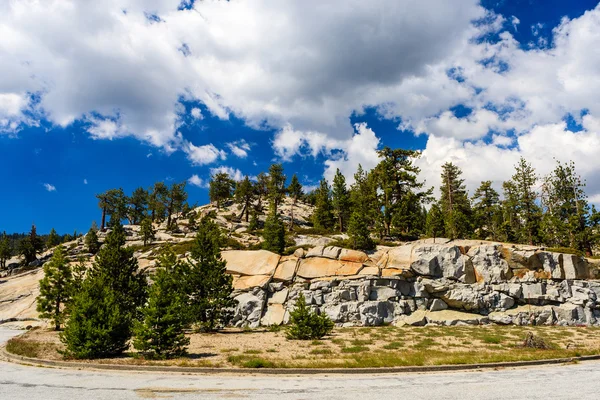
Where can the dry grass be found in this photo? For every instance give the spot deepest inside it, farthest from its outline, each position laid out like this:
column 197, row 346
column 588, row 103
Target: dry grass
column 355, row 347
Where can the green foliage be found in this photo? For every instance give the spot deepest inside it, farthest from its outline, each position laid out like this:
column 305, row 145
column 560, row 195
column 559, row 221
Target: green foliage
column 435, row 222
column 341, row 200
column 295, row 192
column 244, row 196
column 208, row 285
column 159, row 333
column 147, row 231
column 30, row 246
column 254, row 223
column 5, row 250
column 113, row 202
column 358, row 232
column 102, row 312
column 138, row 202
column 157, row 199
column 454, row 203
column 53, row 239
column 98, row 326
column 322, row 217
column 486, row 209
column 175, row 201
column 528, row 213
column 306, row 324
column 220, row 188
column 91, row 241
column 55, row 288
column 274, row 233
column 276, row 185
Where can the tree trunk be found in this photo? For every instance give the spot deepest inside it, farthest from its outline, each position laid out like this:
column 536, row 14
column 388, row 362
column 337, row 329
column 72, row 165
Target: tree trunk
column 292, row 216
column 103, row 221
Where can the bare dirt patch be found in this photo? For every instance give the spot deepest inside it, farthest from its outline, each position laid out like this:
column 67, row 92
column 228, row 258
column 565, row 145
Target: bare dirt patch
column 386, row 346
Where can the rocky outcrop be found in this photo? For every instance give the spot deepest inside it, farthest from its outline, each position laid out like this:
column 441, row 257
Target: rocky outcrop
column 448, row 283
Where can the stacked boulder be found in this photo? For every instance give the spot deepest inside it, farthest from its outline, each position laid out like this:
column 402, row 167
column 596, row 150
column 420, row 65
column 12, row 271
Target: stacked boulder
column 464, row 282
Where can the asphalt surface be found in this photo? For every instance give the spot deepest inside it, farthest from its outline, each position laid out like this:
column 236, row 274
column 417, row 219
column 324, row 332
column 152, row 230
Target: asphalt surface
column 578, row 381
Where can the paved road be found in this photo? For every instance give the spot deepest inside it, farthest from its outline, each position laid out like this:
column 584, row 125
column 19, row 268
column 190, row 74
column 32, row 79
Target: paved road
column 579, row 382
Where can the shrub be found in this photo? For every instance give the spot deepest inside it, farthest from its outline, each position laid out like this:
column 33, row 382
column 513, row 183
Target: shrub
column 306, row 324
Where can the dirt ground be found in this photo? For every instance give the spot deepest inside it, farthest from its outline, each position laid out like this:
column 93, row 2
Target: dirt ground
column 358, row 347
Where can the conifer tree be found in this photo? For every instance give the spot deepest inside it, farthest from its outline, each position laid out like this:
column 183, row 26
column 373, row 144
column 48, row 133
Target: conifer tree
column 295, row 192
column 157, row 199
column 276, row 185
column 261, row 189
column 529, row 213
column 175, row 200
column 254, row 223
column 30, row 246
column 322, row 217
column 208, row 285
column 435, row 222
column 274, row 233
column 55, row 288
column 396, row 179
column 486, row 207
column 159, row 333
column 91, row 241
column 102, row 312
column 341, row 200
column 113, row 202
column 454, row 202
column 244, row 196
column 147, row 231
column 363, row 196
column 53, row 239
column 358, row 231
column 220, row 188
column 5, row 250
column 138, row 203
column 306, row 324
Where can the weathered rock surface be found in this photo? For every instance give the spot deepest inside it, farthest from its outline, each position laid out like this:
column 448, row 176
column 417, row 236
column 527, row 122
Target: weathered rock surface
column 250, row 262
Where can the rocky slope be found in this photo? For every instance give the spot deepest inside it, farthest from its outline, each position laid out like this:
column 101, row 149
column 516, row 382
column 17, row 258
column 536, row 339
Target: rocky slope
column 421, row 282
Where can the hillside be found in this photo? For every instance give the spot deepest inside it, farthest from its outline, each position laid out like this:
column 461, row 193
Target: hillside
column 419, row 282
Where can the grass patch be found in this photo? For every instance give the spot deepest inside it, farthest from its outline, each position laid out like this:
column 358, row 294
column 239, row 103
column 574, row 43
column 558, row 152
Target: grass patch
column 424, row 344
column 182, row 247
column 492, row 339
column 321, row 351
column 252, row 351
column 355, row 349
column 393, row 345
column 25, row 348
column 258, row 363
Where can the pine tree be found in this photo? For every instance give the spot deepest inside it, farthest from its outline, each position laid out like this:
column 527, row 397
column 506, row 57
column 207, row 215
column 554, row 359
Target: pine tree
column 567, row 213
column 295, row 192
column 176, row 198
column 454, row 202
column 209, row 286
column 396, row 180
column 157, row 198
column 138, row 203
column 113, row 202
column 276, row 185
column 5, row 250
column 244, row 196
column 53, row 239
column 322, row 217
column 306, row 324
column 30, row 246
column 147, row 231
column 529, row 212
column 274, row 233
column 55, row 288
column 261, row 189
column 91, row 241
column 358, row 231
column 486, row 207
column 220, row 188
column 435, row 222
column 160, row 332
column 254, row 223
column 341, row 200
column 510, row 214
column 363, row 197
column 102, row 313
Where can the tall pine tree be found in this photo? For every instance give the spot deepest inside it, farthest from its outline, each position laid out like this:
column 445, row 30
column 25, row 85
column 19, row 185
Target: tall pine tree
column 454, row 203
column 55, row 288
column 295, row 192
column 486, row 207
column 322, row 217
column 341, row 200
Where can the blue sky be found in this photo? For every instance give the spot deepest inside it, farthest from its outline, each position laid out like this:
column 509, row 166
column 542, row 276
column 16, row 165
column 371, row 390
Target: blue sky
column 88, row 103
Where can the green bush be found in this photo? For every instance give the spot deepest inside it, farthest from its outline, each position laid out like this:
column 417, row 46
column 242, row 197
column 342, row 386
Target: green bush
column 306, row 324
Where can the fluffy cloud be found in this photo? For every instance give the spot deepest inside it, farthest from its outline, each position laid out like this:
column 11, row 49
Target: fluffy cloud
column 49, row 187
column 233, row 173
column 202, row 155
column 239, row 148
column 195, row 180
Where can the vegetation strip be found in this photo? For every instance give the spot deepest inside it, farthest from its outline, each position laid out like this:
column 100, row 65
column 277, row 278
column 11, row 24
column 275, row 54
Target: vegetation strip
column 289, row 371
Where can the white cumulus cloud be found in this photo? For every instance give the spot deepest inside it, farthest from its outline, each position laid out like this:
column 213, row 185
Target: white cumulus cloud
column 49, row 187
